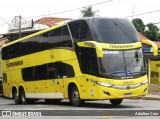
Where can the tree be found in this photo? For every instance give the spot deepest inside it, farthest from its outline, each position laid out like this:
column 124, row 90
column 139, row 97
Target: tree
column 139, row 25
column 152, row 32
column 88, row 12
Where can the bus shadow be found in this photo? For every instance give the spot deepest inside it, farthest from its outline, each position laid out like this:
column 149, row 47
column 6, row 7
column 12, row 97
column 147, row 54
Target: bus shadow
column 90, row 104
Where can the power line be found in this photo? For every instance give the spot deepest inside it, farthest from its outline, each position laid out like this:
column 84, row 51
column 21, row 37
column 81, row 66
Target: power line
column 73, row 9
column 150, row 12
column 61, row 11
column 143, row 13
column 5, row 22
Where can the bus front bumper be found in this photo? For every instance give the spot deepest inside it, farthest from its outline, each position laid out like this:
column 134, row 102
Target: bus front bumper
column 114, row 91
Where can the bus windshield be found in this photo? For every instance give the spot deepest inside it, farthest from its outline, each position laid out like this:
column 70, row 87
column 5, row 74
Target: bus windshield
column 122, row 64
column 103, row 30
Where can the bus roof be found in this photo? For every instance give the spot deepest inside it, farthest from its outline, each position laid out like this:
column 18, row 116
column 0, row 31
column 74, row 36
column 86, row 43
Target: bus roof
column 35, row 34
column 56, row 26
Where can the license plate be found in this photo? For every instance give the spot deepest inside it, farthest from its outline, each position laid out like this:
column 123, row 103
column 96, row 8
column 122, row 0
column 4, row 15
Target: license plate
column 128, row 95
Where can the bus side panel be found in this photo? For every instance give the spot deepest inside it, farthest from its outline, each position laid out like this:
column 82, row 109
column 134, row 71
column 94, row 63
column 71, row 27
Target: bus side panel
column 89, row 90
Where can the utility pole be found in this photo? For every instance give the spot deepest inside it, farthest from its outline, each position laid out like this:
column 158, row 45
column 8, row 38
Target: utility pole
column 132, row 12
column 17, row 21
column 20, row 26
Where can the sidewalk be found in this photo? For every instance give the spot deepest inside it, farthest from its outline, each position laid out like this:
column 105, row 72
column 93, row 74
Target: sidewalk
column 152, row 96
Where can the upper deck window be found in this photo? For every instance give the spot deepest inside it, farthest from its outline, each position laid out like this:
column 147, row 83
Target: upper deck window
column 115, row 31
column 80, row 31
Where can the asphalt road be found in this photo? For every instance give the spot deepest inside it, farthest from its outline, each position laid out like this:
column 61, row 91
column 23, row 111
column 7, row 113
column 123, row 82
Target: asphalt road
column 129, row 109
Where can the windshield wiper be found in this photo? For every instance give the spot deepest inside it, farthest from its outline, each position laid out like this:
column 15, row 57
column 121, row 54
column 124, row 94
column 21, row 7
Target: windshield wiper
column 135, row 73
column 117, row 72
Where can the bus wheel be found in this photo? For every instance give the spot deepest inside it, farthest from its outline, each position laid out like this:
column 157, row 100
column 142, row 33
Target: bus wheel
column 116, row 101
column 22, row 97
column 75, row 97
column 16, row 96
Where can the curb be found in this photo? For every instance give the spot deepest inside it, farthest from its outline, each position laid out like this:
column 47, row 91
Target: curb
column 151, row 97
column 147, row 97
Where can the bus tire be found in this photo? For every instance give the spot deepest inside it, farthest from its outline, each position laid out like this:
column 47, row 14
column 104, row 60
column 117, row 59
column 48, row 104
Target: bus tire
column 116, row 101
column 22, row 97
column 16, row 96
column 75, row 97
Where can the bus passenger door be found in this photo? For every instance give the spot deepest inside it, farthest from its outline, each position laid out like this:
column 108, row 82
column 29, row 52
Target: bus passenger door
column 56, row 85
column 50, row 88
column 6, row 84
column 65, row 74
column 40, row 76
column 59, row 88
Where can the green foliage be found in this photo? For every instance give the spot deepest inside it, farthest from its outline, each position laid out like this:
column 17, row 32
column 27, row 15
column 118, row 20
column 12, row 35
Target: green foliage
column 88, row 12
column 139, row 25
column 151, row 31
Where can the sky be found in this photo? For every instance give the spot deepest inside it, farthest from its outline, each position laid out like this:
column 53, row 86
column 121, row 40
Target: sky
column 30, row 9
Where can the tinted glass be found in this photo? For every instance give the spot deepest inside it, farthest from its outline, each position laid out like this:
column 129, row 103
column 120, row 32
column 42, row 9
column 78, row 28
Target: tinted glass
column 41, row 72
column 59, row 37
column 48, row 71
column 115, row 31
column 80, row 31
column 28, row 74
column 122, row 64
column 87, row 59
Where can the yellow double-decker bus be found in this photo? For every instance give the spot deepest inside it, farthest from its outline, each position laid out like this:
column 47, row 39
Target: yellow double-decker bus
column 84, row 59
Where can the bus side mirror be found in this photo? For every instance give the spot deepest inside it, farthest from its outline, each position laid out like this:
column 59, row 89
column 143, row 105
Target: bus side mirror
column 151, row 43
column 97, row 46
column 93, row 44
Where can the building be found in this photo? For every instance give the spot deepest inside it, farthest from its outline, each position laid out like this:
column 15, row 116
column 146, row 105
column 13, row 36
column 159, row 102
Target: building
column 29, row 27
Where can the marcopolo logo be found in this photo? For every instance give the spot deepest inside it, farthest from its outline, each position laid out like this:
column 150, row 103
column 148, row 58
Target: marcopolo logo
column 121, row 46
column 14, row 64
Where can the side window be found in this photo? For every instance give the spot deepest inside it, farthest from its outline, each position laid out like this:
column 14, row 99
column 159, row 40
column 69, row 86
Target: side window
column 80, row 31
column 41, row 72
column 70, row 71
column 30, row 45
column 51, row 71
column 11, row 51
column 46, row 34
column 28, row 74
column 60, row 70
column 54, row 70
column 56, row 32
column 4, row 77
column 89, row 65
column 53, row 39
column 67, row 70
column 66, row 38
column 88, row 60
column 4, row 53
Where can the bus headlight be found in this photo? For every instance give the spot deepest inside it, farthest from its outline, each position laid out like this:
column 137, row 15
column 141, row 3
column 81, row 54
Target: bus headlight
column 102, row 84
column 144, row 82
